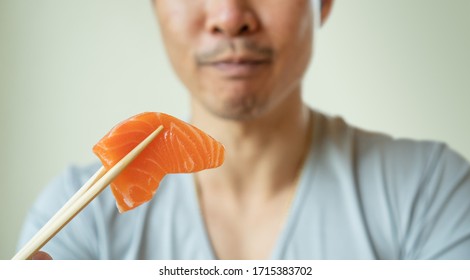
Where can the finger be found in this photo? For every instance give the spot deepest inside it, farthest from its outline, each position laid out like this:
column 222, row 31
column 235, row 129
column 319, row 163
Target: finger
column 41, row 256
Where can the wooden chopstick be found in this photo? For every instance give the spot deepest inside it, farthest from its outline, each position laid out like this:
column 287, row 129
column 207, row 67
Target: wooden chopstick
column 95, row 185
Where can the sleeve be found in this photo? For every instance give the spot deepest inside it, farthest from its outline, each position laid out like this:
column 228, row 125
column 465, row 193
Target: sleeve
column 78, row 239
column 439, row 220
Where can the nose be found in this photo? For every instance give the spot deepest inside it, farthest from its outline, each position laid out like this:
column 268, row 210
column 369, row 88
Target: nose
column 231, row 18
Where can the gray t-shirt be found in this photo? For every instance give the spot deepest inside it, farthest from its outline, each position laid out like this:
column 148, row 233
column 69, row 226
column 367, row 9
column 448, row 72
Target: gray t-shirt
column 361, row 195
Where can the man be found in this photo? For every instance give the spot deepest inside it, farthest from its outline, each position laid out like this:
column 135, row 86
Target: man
column 295, row 184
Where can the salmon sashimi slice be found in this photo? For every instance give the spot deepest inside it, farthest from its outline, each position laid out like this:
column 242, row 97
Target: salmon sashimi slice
column 179, row 148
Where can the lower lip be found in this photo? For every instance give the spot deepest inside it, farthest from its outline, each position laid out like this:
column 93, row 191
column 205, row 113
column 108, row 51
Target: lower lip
column 238, row 70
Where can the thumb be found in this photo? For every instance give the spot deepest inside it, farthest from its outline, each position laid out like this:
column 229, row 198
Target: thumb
column 41, row 256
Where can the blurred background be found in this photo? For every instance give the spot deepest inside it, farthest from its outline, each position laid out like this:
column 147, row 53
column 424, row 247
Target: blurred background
column 70, row 70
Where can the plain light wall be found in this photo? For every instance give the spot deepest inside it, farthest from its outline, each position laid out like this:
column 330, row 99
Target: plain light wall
column 70, row 70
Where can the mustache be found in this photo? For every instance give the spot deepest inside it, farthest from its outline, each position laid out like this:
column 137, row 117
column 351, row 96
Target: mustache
column 243, row 48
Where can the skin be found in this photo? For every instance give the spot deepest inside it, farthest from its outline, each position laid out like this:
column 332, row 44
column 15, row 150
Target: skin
column 218, row 31
column 41, row 256
column 243, row 62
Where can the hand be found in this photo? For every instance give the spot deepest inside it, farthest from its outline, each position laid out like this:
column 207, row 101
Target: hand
column 41, row 256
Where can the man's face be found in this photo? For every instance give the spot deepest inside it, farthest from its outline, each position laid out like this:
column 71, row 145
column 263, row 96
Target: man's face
column 238, row 58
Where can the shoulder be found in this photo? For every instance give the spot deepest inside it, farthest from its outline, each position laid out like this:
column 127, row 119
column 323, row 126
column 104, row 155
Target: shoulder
column 63, row 186
column 416, row 189
column 381, row 151
column 378, row 159
column 99, row 224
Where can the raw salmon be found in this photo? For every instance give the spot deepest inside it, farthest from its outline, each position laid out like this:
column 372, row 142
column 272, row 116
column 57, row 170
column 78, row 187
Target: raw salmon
column 179, row 148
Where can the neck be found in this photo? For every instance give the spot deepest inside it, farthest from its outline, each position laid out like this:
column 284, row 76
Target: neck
column 263, row 155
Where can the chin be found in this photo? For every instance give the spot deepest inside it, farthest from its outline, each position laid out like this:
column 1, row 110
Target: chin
column 235, row 102
column 238, row 110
